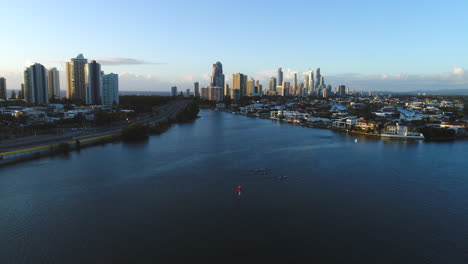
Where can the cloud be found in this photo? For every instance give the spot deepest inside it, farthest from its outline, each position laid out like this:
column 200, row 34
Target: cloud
column 458, row 71
column 125, row 61
column 455, row 79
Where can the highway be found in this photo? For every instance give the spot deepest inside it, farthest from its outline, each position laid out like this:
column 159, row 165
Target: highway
column 167, row 111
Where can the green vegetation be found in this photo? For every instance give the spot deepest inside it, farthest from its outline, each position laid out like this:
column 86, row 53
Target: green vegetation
column 135, row 131
column 102, row 118
column 438, row 134
column 160, row 128
column 142, row 104
column 188, row 114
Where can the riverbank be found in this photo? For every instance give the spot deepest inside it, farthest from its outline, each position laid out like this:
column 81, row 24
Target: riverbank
column 179, row 114
column 322, row 125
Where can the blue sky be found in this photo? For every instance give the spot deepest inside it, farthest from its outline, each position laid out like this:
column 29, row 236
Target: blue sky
column 371, row 45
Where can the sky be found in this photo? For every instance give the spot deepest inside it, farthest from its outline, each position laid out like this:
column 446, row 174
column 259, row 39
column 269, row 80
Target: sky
column 153, row 45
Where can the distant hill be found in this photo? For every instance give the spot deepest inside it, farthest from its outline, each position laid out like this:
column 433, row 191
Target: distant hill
column 147, row 93
column 431, row 92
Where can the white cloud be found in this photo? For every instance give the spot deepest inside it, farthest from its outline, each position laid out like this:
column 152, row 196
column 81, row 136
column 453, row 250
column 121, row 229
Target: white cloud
column 458, row 71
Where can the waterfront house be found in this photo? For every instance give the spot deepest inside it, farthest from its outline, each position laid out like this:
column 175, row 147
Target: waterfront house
column 400, row 129
column 366, row 125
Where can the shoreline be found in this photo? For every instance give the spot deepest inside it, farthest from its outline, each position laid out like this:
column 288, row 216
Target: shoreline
column 334, row 129
column 61, row 148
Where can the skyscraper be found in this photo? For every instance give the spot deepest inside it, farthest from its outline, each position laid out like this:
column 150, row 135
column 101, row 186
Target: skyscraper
column 76, row 81
column 283, row 90
column 305, row 89
column 187, row 92
column 22, row 91
column 294, row 85
column 280, row 76
column 239, row 82
column 54, row 83
column 272, row 84
column 244, row 85
column 204, row 93
column 258, row 87
column 93, row 83
column 250, row 87
column 311, row 87
column 227, row 91
column 174, row 91
column 110, row 89
column 319, row 77
column 196, row 89
column 215, row 93
column 342, row 91
column 325, row 93
column 217, row 76
column 3, row 91
column 36, row 84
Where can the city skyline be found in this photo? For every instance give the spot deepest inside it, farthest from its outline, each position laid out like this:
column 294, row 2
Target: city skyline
column 361, row 44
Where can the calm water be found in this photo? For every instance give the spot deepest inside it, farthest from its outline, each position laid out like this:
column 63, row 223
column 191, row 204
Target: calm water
column 172, row 199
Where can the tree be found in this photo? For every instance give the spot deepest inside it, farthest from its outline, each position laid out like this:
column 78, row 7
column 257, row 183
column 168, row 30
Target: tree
column 135, row 131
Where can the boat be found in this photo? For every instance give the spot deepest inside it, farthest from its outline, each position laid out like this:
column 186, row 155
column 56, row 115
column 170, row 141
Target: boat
column 402, row 136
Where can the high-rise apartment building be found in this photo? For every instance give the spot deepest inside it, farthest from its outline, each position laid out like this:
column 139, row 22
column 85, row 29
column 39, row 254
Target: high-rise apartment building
column 311, row 87
column 318, row 77
column 342, row 91
column 272, row 84
column 110, row 89
column 294, row 84
column 227, row 90
column 239, row 81
column 93, row 83
column 280, row 76
column 54, row 83
column 36, row 84
column 250, row 87
column 3, row 90
column 215, row 94
column 325, row 93
column 196, row 89
column 76, row 80
column 204, row 93
column 174, row 91
column 217, row 76
column 284, row 89
column 258, row 88
column 187, row 92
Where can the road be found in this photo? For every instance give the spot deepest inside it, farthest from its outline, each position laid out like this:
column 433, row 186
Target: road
column 169, row 110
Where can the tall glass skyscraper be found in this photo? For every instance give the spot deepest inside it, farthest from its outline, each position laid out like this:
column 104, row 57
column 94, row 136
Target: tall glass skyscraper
column 280, row 76
column 217, row 76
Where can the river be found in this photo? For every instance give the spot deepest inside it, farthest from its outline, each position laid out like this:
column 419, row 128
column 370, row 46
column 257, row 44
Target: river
column 172, row 199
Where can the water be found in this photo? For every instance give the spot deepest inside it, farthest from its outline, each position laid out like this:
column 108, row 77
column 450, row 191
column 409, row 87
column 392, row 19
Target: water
column 172, row 199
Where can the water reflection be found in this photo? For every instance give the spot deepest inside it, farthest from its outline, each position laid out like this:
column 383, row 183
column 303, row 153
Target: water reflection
column 172, row 198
